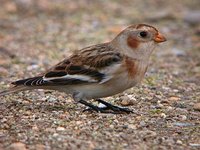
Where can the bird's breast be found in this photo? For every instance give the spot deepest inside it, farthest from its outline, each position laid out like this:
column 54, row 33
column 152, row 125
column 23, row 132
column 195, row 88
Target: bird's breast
column 135, row 69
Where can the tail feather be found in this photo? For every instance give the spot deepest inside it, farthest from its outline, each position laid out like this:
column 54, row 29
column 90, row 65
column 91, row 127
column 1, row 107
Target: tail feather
column 24, row 84
column 14, row 89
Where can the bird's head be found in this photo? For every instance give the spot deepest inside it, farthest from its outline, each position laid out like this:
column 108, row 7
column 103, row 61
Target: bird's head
column 138, row 40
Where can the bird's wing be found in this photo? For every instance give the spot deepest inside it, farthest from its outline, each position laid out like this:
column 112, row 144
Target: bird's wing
column 93, row 64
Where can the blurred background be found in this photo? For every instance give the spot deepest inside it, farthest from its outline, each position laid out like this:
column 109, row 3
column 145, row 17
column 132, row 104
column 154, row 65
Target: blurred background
column 52, row 28
column 36, row 34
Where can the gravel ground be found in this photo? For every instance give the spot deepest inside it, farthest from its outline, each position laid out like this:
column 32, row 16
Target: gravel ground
column 36, row 34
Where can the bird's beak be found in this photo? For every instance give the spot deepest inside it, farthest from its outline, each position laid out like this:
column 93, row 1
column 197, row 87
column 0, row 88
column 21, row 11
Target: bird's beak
column 159, row 38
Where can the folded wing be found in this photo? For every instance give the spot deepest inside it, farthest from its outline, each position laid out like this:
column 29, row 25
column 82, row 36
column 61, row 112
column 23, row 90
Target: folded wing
column 88, row 66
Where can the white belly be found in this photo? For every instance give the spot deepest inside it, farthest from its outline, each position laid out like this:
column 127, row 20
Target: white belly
column 95, row 90
column 115, row 85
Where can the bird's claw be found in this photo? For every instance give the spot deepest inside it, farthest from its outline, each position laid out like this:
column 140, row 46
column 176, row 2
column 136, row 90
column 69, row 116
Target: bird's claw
column 108, row 108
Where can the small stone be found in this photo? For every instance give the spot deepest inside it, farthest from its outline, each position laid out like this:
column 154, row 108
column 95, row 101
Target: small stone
column 194, row 144
column 3, row 120
column 169, row 108
column 35, row 127
column 197, row 106
column 179, row 142
column 148, row 134
column 160, row 105
column 126, row 101
column 79, row 122
column 163, row 115
column 32, row 67
column 132, row 126
column 60, row 129
column 183, row 117
column 55, row 134
column 50, row 130
column 142, row 124
column 17, row 146
column 174, row 98
column 158, row 102
column 182, row 124
column 175, row 90
column 51, row 99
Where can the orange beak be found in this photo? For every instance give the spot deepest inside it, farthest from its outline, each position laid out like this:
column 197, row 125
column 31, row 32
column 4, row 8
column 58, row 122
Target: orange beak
column 159, row 38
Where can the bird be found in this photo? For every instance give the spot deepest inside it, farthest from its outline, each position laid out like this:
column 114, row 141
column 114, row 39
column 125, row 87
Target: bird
column 100, row 70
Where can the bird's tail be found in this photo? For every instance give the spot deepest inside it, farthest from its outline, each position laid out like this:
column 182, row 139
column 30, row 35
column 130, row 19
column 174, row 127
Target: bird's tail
column 14, row 89
column 24, row 84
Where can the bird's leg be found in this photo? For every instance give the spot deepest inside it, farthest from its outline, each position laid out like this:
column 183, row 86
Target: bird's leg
column 109, row 108
column 92, row 107
column 115, row 109
column 79, row 97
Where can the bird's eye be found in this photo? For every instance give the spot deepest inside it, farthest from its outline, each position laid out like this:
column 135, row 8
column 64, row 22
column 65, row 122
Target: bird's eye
column 143, row 34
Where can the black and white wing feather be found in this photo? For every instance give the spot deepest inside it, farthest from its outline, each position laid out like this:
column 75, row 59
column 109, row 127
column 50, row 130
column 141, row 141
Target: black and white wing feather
column 91, row 65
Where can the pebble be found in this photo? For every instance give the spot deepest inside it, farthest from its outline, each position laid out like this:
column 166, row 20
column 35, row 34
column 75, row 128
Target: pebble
column 148, row 134
column 194, row 144
column 132, row 126
column 50, row 130
column 55, row 134
column 126, row 100
column 197, row 106
column 79, row 122
column 163, row 115
column 32, row 67
column 169, row 108
column 51, row 99
column 160, row 106
column 182, row 124
column 179, row 142
column 17, row 146
column 60, row 129
column 142, row 124
column 174, row 98
column 35, row 127
column 183, row 117
column 175, row 90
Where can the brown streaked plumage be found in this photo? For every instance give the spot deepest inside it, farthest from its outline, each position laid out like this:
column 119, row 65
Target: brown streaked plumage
column 100, row 70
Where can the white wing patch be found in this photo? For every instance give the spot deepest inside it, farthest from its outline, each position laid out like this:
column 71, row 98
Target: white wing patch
column 79, row 77
column 109, row 71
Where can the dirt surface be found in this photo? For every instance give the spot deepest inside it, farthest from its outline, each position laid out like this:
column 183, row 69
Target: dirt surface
column 36, row 34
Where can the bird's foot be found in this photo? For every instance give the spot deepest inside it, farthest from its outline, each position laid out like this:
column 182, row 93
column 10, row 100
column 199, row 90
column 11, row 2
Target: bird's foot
column 114, row 108
column 107, row 107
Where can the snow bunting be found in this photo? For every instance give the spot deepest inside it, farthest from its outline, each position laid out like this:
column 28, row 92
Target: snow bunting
column 100, row 70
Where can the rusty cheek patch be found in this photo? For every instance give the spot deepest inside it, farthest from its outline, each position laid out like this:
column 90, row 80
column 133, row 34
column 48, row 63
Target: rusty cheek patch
column 131, row 68
column 132, row 42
